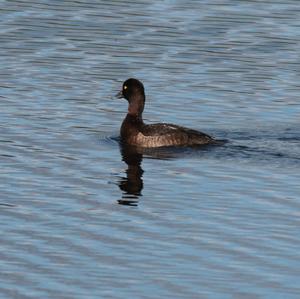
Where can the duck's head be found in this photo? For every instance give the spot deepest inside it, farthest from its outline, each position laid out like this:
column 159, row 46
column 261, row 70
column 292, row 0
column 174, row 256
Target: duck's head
column 133, row 92
column 131, row 88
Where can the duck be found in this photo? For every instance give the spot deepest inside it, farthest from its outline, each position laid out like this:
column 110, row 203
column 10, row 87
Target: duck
column 135, row 132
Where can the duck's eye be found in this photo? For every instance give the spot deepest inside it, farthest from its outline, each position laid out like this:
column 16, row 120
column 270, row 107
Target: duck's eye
column 125, row 87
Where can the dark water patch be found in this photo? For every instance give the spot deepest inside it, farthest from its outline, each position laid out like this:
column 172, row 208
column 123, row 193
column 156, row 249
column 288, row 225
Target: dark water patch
column 7, row 156
column 7, row 205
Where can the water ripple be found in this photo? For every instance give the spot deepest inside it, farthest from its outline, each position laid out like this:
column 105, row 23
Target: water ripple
column 77, row 209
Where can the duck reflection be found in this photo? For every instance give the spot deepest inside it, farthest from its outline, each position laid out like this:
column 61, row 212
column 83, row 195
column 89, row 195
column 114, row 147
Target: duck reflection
column 132, row 184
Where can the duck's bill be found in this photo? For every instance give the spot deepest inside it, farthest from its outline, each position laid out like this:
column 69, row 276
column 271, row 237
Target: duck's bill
column 119, row 95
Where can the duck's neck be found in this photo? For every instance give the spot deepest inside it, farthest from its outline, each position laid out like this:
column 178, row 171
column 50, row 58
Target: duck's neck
column 134, row 119
column 136, row 106
column 131, row 125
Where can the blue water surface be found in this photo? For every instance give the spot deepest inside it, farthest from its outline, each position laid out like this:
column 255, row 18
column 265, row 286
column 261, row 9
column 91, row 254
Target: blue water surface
column 83, row 217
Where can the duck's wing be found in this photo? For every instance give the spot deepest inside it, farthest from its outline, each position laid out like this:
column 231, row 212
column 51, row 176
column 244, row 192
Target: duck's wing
column 170, row 134
column 160, row 129
column 166, row 129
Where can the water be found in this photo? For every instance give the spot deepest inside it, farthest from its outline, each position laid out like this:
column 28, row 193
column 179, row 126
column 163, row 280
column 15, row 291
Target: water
column 82, row 217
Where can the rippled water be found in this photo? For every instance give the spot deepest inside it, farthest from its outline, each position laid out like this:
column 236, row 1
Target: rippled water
column 83, row 217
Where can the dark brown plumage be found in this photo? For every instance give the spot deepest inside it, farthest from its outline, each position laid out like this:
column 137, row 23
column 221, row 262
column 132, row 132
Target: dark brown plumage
column 135, row 132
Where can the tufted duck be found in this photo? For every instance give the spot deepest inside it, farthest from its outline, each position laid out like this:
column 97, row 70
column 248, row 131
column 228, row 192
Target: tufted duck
column 135, row 132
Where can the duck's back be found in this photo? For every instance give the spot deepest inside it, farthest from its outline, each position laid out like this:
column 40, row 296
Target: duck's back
column 169, row 134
